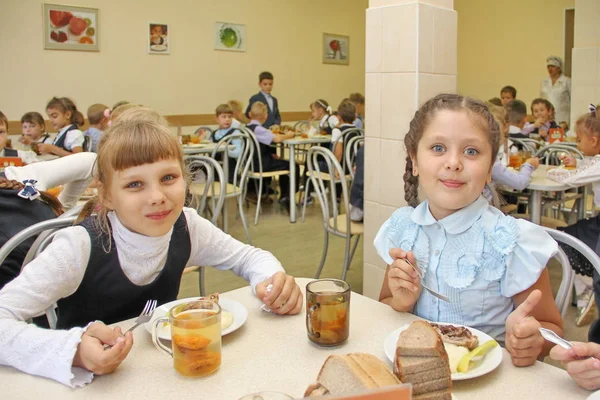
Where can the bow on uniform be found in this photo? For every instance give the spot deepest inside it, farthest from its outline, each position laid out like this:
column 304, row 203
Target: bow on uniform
column 29, row 191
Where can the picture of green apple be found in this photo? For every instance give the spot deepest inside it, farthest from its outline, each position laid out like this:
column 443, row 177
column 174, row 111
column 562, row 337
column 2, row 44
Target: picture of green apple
column 229, row 37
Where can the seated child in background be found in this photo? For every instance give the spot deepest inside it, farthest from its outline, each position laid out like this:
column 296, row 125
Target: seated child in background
column 98, row 124
column 66, row 119
column 346, row 113
column 224, row 117
column 542, row 111
column 27, row 157
column 34, row 129
column 268, row 154
column 516, row 112
column 265, row 81
column 359, row 102
column 239, row 118
column 508, row 94
column 491, row 266
column 322, row 112
column 495, row 101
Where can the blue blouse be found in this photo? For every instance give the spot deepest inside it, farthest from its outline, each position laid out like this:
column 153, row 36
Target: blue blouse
column 478, row 257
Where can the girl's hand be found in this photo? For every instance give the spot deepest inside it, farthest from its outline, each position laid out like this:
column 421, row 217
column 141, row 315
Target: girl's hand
column 543, row 132
column 568, row 160
column 44, row 148
column 285, row 296
column 25, row 140
column 91, row 354
column 403, row 281
column 534, row 161
column 523, row 339
column 586, row 373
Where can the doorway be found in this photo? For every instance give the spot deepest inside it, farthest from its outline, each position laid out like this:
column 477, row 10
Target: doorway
column 569, row 39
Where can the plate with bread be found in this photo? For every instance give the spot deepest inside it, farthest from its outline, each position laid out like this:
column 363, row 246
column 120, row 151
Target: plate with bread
column 468, row 350
column 233, row 315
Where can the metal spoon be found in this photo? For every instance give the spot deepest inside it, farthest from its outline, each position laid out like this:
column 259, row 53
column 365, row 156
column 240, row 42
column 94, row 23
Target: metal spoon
column 552, row 337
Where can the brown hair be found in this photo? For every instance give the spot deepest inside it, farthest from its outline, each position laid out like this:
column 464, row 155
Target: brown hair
column 495, row 101
column 545, row 102
column 34, row 117
column 130, row 142
column 516, row 110
column 357, row 98
column 4, row 120
column 95, row 113
column 509, row 89
column 479, row 114
column 258, row 109
column 52, row 201
column 320, row 103
column 589, row 124
column 223, row 109
column 64, row 104
column 120, row 109
column 265, row 75
column 347, row 111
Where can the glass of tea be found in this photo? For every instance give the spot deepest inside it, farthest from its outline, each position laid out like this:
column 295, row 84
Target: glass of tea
column 515, row 161
column 328, row 311
column 195, row 337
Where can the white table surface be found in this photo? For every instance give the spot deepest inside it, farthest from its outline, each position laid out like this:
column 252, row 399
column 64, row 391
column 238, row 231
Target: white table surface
column 273, row 353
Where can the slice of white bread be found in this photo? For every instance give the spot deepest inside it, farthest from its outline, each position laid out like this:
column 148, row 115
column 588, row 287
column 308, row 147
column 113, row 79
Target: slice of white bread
column 415, row 365
column 316, row 389
column 421, row 340
column 354, row 372
column 439, row 395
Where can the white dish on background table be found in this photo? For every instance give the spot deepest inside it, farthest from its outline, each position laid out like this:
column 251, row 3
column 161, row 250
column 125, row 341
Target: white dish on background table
column 195, row 145
column 490, row 362
column 239, row 311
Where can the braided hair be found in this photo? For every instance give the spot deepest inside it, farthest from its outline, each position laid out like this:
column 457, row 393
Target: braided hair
column 50, row 200
column 480, row 115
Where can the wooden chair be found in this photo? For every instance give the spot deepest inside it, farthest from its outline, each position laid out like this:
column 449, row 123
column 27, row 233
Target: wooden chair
column 334, row 222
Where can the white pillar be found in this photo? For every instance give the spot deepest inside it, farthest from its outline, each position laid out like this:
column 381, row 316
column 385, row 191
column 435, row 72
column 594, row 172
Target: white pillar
column 410, row 57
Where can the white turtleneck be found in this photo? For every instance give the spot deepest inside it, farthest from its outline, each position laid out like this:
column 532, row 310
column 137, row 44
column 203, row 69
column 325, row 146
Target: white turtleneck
column 59, row 270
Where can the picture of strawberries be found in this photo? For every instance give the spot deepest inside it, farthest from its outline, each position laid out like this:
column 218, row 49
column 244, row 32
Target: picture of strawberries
column 77, row 26
column 60, row 18
column 58, row 36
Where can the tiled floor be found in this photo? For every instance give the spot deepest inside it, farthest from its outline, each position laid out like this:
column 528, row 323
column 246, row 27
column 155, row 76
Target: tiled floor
column 298, row 246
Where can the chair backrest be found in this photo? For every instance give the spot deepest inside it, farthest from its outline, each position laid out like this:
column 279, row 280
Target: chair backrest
column 347, row 135
column 212, row 169
column 351, row 150
column 530, row 145
column 553, row 151
column 335, row 181
column 256, row 147
column 242, row 139
column 566, row 285
column 87, row 143
column 302, row 126
column 209, row 132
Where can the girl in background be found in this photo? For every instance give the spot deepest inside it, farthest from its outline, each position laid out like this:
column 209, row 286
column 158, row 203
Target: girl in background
column 491, row 266
column 322, row 112
column 34, row 129
column 66, row 119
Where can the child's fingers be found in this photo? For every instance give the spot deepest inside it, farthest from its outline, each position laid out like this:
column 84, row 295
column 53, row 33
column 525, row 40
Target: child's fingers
column 583, row 367
column 396, row 253
column 401, row 274
column 526, row 343
column 402, row 265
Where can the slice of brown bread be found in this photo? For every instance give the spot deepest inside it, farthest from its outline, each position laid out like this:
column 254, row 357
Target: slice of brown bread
column 424, row 376
column 432, row 385
column 414, row 365
column 439, row 395
column 420, row 339
column 374, row 368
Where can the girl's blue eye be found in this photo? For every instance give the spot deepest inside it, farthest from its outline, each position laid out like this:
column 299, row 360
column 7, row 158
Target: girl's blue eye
column 438, row 148
column 168, row 178
column 134, row 185
column 471, row 152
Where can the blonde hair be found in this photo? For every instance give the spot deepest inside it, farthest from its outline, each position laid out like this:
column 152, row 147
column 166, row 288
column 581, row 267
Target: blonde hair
column 140, row 113
column 117, row 111
column 258, row 109
column 223, row 109
column 235, row 105
column 129, row 142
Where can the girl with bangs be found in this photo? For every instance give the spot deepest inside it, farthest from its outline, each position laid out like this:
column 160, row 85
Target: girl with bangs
column 134, row 249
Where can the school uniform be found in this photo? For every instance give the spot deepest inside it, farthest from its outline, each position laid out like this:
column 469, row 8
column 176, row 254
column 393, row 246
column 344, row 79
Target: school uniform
column 273, row 116
column 69, row 137
column 234, row 153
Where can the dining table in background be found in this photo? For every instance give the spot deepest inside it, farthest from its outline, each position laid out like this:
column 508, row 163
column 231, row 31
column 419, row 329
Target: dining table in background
column 271, row 352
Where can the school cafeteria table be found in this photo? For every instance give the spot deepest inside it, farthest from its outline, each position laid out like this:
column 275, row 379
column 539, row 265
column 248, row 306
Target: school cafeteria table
column 271, row 352
column 540, row 184
column 292, row 143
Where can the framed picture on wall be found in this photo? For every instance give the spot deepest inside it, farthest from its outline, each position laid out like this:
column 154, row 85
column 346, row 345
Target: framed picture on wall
column 336, row 49
column 158, row 38
column 231, row 37
column 70, row 28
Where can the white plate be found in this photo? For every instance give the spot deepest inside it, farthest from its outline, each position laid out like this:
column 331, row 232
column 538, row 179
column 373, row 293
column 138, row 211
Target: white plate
column 240, row 314
column 158, row 47
column 594, row 396
column 490, row 362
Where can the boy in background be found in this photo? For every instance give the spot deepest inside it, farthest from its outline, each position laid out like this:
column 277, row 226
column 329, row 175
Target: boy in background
column 98, row 124
column 516, row 112
column 543, row 112
column 359, row 103
column 265, row 81
column 508, row 94
column 224, row 116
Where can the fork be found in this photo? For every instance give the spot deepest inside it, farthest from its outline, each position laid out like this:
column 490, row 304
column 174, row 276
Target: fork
column 433, row 292
column 144, row 317
column 551, row 336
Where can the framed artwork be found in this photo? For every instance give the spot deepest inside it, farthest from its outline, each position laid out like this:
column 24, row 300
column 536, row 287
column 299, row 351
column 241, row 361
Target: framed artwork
column 70, row 28
column 158, row 38
column 336, row 49
column 231, row 37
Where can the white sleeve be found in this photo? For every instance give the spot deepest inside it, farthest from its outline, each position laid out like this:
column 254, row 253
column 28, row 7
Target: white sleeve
column 28, row 156
column 56, row 273
column 212, row 247
column 587, row 171
column 74, row 171
column 336, row 134
column 74, row 139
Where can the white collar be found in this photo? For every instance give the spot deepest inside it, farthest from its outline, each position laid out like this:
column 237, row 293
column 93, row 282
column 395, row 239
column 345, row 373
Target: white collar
column 455, row 223
column 514, row 129
column 267, row 95
column 141, row 245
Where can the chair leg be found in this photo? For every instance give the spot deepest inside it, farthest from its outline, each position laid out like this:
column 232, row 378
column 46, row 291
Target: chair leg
column 201, row 281
column 305, row 199
column 243, row 218
column 354, row 246
column 259, row 197
column 346, row 257
column 324, row 255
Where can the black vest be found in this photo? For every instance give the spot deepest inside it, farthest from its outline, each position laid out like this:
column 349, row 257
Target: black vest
column 106, row 294
column 60, row 142
column 265, row 152
column 10, row 152
column 229, row 132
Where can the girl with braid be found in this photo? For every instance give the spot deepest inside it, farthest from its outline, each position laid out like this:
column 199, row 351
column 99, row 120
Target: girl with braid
column 492, row 267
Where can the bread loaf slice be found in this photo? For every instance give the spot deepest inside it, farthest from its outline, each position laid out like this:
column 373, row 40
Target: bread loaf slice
column 439, row 395
column 420, row 340
column 415, row 365
column 431, row 385
column 424, row 376
column 316, row 389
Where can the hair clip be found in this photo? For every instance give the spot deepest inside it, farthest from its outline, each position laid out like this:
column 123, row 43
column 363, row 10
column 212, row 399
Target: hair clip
column 29, row 191
column 592, row 109
column 329, row 109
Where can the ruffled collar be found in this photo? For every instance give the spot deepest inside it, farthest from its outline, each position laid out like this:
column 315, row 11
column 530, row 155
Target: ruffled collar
column 455, row 223
column 141, row 245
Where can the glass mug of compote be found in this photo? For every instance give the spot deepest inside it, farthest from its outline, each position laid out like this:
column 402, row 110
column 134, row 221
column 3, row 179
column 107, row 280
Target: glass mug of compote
column 328, row 311
column 195, row 337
